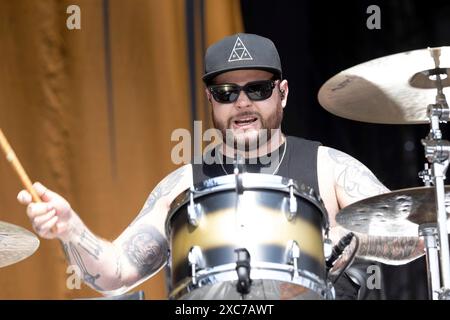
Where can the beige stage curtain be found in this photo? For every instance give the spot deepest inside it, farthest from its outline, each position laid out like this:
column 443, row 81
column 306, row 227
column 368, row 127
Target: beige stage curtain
column 90, row 114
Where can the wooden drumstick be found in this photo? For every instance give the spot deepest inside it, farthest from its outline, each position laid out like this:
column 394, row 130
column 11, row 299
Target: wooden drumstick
column 14, row 161
column 12, row 158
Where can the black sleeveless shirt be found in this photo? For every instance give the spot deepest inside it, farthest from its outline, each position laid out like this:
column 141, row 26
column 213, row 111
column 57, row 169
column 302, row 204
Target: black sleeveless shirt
column 299, row 162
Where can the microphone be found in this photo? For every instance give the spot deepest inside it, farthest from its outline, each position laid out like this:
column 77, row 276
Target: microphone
column 339, row 248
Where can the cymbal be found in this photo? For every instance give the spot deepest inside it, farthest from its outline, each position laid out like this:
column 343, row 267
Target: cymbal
column 16, row 244
column 396, row 214
column 395, row 89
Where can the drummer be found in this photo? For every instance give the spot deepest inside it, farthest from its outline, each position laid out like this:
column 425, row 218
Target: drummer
column 247, row 95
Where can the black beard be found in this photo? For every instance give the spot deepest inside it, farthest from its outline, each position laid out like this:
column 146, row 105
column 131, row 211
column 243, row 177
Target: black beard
column 273, row 122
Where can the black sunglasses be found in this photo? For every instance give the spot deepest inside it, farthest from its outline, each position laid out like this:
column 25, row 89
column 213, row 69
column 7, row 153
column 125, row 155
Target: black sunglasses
column 255, row 91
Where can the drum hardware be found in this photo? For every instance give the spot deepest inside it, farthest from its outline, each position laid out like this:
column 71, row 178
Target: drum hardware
column 444, row 295
column 194, row 210
column 334, row 272
column 243, row 271
column 439, row 113
column 364, row 93
column 293, row 257
column 425, row 175
column 437, row 152
column 292, row 200
column 338, row 249
column 327, row 248
column 429, row 232
column 238, row 170
column 240, row 210
column 196, row 262
column 425, row 79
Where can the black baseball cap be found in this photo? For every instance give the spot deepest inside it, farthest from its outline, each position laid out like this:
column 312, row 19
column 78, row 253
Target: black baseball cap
column 241, row 51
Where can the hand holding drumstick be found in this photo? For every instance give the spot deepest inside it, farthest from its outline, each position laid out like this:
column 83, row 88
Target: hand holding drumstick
column 109, row 267
column 49, row 212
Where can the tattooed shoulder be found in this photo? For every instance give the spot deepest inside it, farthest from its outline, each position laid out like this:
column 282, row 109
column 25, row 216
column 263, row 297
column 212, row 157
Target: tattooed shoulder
column 353, row 177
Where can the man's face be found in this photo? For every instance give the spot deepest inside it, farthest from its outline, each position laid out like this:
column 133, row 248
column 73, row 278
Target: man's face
column 244, row 119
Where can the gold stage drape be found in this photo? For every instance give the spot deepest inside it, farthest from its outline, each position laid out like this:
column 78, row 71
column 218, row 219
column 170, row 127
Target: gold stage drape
column 90, row 113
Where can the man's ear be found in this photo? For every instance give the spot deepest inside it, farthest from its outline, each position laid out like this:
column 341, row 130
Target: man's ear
column 208, row 95
column 284, row 91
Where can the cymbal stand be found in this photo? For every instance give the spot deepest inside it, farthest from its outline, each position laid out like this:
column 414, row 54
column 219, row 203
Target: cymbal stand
column 437, row 152
column 429, row 232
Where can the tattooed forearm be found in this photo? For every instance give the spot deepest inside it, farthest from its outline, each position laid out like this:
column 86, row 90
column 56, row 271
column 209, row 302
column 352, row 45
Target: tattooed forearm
column 390, row 250
column 147, row 250
column 90, row 244
column 353, row 177
column 87, row 277
column 65, row 248
column 161, row 190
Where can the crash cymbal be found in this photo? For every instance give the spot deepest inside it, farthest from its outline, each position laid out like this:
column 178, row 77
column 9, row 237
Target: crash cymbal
column 397, row 214
column 16, row 244
column 395, row 89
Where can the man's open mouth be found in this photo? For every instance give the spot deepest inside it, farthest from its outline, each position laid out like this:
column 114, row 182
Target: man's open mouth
column 242, row 122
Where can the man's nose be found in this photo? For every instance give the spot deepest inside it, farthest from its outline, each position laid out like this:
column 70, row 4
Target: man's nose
column 243, row 101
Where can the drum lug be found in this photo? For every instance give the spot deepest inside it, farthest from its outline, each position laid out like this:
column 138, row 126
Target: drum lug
column 196, row 262
column 293, row 256
column 194, row 210
column 292, row 201
column 327, row 247
column 243, row 271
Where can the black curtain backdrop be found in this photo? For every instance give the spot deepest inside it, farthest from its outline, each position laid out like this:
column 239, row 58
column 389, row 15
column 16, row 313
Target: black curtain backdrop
column 316, row 40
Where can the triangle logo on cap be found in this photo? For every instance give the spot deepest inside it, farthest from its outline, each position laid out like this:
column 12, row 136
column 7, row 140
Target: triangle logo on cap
column 239, row 52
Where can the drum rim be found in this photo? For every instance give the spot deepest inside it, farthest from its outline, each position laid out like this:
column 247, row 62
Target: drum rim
column 249, row 180
column 228, row 274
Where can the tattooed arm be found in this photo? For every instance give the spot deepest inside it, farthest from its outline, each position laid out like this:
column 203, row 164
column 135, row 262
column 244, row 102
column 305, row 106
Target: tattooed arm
column 110, row 267
column 143, row 246
column 344, row 180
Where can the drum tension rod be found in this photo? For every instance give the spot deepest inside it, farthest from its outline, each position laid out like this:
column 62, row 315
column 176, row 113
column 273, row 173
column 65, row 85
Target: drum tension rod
column 295, row 256
column 194, row 210
column 292, row 201
column 196, row 262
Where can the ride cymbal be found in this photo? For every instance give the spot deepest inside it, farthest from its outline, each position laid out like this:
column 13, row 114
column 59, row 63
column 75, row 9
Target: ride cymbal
column 395, row 89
